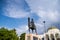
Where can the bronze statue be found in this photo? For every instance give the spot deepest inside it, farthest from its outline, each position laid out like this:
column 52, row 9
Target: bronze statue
column 31, row 25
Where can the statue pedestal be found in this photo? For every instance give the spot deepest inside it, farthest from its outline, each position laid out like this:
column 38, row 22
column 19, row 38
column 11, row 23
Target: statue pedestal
column 32, row 37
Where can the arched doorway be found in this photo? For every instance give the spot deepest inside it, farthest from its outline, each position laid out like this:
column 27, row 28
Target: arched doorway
column 43, row 38
column 57, row 36
column 47, row 37
column 52, row 37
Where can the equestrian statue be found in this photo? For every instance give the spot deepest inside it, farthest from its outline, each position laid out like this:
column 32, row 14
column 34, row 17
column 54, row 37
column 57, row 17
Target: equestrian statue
column 31, row 25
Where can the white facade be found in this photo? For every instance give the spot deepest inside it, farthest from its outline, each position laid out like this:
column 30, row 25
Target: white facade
column 52, row 34
column 32, row 37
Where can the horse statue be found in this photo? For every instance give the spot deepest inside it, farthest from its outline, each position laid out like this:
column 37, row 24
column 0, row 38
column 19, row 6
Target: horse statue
column 31, row 25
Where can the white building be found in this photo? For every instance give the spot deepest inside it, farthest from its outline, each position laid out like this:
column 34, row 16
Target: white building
column 52, row 34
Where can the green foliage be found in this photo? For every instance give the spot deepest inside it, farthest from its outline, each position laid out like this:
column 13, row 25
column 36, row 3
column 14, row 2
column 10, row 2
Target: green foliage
column 6, row 34
column 22, row 36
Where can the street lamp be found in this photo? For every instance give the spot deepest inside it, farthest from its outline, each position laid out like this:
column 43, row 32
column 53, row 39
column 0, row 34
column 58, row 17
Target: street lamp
column 44, row 27
column 44, row 30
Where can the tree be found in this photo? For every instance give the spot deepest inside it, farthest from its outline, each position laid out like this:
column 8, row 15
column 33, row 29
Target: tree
column 22, row 36
column 6, row 34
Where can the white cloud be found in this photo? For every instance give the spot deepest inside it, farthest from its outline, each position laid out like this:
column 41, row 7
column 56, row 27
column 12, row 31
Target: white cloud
column 45, row 4
column 48, row 15
column 39, row 27
column 46, row 10
column 13, row 12
column 21, row 29
column 16, row 9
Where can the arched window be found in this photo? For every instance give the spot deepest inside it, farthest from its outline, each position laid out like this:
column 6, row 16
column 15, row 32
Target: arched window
column 57, row 36
column 47, row 37
column 52, row 37
column 43, row 38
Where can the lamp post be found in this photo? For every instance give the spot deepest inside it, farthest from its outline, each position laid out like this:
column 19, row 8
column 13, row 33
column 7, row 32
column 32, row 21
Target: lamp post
column 44, row 27
column 44, row 30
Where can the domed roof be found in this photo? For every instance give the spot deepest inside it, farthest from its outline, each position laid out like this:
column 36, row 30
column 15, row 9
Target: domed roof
column 53, row 30
column 53, row 27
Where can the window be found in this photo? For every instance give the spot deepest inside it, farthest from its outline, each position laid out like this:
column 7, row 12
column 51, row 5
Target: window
column 35, row 38
column 57, row 36
column 42, row 38
column 47, row 37
column 52, row 37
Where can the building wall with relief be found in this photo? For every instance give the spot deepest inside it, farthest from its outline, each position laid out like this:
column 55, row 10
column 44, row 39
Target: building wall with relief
column 51, row 34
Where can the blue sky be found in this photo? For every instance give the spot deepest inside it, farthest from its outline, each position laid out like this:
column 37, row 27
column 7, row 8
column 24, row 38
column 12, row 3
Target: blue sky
column 14, row 14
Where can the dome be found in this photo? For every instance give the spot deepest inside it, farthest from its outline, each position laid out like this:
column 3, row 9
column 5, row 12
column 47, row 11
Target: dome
column 53, row 30
column 53, row 27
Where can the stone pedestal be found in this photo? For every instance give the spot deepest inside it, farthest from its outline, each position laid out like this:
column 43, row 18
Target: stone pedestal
column 32, row 37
